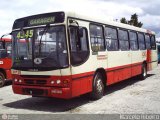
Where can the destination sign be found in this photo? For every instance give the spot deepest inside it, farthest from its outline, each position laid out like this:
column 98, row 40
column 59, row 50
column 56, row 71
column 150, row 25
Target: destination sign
column 42, row 21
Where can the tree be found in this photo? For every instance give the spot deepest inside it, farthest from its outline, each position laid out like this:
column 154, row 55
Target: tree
column 123, row 20
column 133, row 21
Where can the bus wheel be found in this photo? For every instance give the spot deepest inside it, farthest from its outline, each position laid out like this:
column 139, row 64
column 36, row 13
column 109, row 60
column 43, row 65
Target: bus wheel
column 98, row 87
column 143, row 75
column 2, row 79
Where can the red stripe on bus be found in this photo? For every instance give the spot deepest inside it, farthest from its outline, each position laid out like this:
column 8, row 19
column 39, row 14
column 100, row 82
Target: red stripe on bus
column 149, row 60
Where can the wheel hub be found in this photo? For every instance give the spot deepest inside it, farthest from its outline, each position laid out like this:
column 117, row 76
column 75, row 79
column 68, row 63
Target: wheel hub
column 99, row 85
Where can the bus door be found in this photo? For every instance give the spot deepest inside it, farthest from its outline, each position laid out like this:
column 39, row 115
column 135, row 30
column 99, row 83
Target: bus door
column 79, row 54
column 152, row 54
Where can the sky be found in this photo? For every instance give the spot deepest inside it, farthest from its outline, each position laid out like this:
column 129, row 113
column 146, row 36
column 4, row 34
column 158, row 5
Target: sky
column 148, row 11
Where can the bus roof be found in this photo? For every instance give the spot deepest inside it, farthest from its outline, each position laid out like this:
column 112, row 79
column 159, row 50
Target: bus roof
column 59, row 17
column 107, row 22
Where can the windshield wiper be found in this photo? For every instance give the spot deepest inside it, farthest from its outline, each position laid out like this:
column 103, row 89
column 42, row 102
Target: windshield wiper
column 40, row 41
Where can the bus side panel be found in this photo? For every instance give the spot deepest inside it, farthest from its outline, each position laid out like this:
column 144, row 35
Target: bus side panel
column 5, row 63
column 119, row 66
column 8, row 74
column 137, row 59
column 111, row 78
column 81, row 83
column 151, row 59
column 136, row 69
column 117, row 74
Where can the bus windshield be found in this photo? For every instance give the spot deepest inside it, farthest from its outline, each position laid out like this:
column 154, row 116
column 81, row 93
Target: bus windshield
column 40, row 48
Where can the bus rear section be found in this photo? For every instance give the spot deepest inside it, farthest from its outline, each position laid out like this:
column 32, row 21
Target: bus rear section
column 5, row 61
column 152, row 57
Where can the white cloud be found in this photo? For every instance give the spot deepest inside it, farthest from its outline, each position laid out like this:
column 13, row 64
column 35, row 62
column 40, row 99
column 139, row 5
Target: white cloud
column 96, row 8
column 151, row 20
column 100, row 8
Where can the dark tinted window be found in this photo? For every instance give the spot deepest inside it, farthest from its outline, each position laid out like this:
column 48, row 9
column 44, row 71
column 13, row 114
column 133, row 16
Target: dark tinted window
column 79, row 46
column 123, row 39
column 133, row 40
column 141, row 41
column 97, row 40
column 158, row 49
column 153, row 43
column 148, row 43
column 111, row 38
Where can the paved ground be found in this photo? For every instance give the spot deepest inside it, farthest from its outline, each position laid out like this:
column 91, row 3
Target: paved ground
column 131, row 96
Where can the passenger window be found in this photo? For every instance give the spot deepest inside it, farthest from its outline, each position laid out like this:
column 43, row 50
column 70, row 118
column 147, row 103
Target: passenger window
column 148, row 42
column 153, row 43
column 111, row 39
column 79, row 46
column 97, row 40
column 123, row 40
column 141, row 41
column 133, row 40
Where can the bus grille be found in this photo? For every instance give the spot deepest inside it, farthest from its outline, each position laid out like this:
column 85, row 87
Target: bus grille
column 35, row 82
column 41, row 82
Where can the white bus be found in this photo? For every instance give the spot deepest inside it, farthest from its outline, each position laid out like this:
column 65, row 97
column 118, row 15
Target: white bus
column 66, row 54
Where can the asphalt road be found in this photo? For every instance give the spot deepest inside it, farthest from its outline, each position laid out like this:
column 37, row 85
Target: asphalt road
column 130, row 96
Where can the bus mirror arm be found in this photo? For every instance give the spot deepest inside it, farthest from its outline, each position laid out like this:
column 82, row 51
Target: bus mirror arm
column 73, row 21
column 80, row 30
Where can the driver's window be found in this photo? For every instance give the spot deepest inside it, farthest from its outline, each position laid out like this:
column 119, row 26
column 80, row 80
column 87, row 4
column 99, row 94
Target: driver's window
column 79, row 46
column 74, row 38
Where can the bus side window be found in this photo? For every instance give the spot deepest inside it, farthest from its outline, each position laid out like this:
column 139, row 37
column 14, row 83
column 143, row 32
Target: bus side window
column 79, row 46
column 133, row 40
column 111, row 39
column 96, row 36
column 148, row 42
column 153, row 43
column 123, row 40
column 141, row 41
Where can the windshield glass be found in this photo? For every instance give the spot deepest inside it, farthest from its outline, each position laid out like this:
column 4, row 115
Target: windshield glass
column 5, row 51
column 40, row 48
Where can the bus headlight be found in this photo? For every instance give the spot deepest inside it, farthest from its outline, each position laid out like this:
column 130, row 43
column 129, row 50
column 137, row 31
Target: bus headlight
column 52, row 82
column 58, row 81
column 20, row 81
column 15, row 80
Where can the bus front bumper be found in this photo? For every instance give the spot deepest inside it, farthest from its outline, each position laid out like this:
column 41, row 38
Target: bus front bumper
column 64, row 93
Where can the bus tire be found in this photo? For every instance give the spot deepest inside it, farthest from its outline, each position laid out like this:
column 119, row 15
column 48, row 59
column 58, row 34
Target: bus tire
column 98, row 87
column 143, row 75
column 2, row 79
